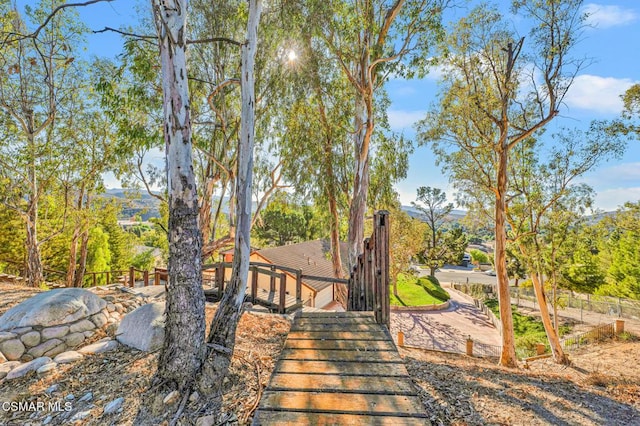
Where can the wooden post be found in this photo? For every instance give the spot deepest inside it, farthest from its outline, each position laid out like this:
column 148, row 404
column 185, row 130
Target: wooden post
column 132, row 277
column 222, row 277
column 108, row 281
column 145, row 278
column 298, row 286
column 400, row 339
column 254, row 284
column 369, row 274
column 95, row 280
column 540, row 348
column 619, row 326
column 156, row 276
column 272, row 280
column 283, row 292
column 381, row 244
column 469, row 346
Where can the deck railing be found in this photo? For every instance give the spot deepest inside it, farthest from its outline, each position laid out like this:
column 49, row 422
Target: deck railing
column 368, row 285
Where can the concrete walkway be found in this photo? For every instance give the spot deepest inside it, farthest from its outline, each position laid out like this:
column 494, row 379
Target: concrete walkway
column 448, row 329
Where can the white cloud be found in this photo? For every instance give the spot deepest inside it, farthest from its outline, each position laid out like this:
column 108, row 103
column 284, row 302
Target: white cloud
column 400, row 120
column 611, row 199
column 607, row 16
column 598, row 94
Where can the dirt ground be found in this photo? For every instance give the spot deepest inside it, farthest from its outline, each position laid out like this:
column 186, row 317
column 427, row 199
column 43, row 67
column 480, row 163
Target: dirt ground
column 601, row 388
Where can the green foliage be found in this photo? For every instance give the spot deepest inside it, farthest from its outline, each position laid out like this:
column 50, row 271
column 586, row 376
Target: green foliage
column 478, row 256
column 406, row 239
column 284, row 221
column 98, row 254
column 144, row 261
column 421, row 291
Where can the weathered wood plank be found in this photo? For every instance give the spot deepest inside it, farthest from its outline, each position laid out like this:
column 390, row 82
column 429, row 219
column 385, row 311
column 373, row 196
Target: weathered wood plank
column 336, row 327
column 335, row 382
column 334, row 320
column 289, row 418
column 342, row 403
column 336, row 314
column 363, row 345
column 339, row 355
column 338, row 335
column 338, row 367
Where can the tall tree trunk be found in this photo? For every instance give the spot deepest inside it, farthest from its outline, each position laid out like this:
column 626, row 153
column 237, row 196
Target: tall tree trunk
column 221, row 339
column 73, row 245
column 34, row 263
column 183, row 350
column 508, row 356
column 82, row 259
column 554, row 340
column 358, row 207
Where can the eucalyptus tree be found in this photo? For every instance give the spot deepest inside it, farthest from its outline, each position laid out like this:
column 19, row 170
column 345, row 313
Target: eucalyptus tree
column 38, row 76
column 499, row 91
column 546, row 203
column 432, row 203
column 369, row 40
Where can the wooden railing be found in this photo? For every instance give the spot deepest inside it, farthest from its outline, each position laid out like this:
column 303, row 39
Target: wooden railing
column 368, row 285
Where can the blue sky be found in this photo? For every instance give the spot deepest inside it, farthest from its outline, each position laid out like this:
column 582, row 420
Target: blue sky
column 611, row 41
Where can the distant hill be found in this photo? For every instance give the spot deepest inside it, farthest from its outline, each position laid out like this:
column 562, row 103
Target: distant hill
column 135, row 202
column 454, row 216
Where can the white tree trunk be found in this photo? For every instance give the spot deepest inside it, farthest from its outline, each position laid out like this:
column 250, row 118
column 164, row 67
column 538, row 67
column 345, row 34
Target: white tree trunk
column 221, row 340
column 183, row 350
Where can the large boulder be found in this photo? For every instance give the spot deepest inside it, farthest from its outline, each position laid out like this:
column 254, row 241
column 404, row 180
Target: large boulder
column 143, row 328
column 51, row 308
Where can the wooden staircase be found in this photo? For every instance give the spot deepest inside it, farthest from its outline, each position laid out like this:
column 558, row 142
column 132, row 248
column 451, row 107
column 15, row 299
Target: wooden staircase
column 339, row 369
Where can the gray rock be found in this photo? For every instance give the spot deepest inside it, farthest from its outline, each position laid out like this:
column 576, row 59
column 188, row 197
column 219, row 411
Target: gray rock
column 113, row 406
column 54, row 332
column 70, row 397
column 171, row 398
column 26, row 358
column 31, row 339
column 143, row 328
column 99, row 319
column 206, row 421
column 57, row 350
column 111, row 307
column 47, row 420
column 80, row 415
column 46, row 369
column 12, row 349
column 6, row 367
column 67, row 357
column 54, row 307
column 82, row 326
column 74, row 339
column 5, row 335
column 22, row 330
column 27, row 367
column 44, row 347
column 86, row 397
column 88, row 334
column 99, row 347
column 51, row 389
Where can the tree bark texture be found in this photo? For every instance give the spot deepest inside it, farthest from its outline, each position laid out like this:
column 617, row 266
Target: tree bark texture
column 508, row 355
column 554, row 340
column 183, row 350
column 221, row 339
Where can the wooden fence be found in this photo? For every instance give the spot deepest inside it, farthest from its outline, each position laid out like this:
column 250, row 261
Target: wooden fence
column 368, row 285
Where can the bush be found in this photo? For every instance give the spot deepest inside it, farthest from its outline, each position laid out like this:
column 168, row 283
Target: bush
column 432, row 286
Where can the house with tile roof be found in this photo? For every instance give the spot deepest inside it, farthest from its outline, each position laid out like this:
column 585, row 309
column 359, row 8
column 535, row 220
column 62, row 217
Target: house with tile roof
column 312, row 258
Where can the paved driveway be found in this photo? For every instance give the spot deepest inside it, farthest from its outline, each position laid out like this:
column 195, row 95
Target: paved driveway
column 446, row 330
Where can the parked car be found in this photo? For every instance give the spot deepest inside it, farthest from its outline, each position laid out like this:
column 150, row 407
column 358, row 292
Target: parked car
column 491, row 272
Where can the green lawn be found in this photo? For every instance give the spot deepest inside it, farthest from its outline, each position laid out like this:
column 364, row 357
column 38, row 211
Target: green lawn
column 421, row 291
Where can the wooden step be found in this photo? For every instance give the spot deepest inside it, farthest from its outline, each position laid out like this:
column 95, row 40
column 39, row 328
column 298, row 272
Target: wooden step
column 343, row 368
column 339, row 355
column 336, row 327
column 352, row 403
column 290, row 418
column 338, row 335
column 361, row 345
column 340, row 383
